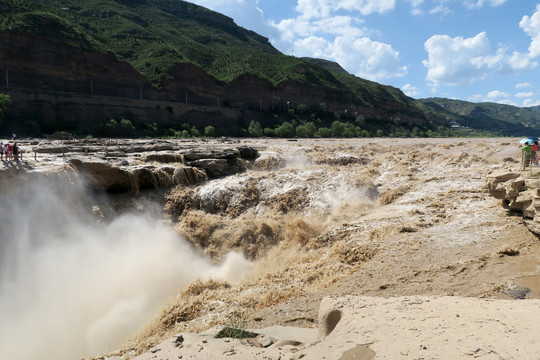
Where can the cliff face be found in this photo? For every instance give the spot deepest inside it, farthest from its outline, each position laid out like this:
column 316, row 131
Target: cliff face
column 38, row 63
column 54, row 82
column 518, row 194
column 143, row 165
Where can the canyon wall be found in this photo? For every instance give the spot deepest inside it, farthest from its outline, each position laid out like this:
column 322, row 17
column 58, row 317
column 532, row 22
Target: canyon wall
column 55, row 82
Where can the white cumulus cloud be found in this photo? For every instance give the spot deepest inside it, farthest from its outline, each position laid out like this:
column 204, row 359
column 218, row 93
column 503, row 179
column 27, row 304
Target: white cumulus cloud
column 368, row 59
column 365, row 58
column 460, row 61
column 455, row 61
column 319, row 31
column 475, row 4
column 446, row 7
column 312, row 46
column 410, row 90
column 531, row 26
column 330, row 29
column 440, row 9
column 523, row 85
column 531, row 102
column 324, row 8
column 497, row 95
column 524, row 99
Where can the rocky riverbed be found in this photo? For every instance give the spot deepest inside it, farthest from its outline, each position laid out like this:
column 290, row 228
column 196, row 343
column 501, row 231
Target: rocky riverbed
column 271, row 228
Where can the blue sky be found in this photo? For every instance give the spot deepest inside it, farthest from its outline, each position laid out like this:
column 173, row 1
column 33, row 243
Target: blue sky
column 473, row 50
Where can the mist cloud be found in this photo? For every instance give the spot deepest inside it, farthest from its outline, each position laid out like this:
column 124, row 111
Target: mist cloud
column 71, row 286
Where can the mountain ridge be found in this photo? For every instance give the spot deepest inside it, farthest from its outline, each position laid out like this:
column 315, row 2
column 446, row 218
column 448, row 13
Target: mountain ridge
column 161, row 40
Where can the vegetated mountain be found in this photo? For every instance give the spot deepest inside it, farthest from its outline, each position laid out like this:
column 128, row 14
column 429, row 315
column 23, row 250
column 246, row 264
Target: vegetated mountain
column 152, row 36
column 535, row 108
column 506, row 119
column 368, row 91
column 169, row 66
column 183, row 63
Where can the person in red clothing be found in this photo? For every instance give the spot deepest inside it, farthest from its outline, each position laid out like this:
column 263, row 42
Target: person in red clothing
column 10, row 152
column 534, row 156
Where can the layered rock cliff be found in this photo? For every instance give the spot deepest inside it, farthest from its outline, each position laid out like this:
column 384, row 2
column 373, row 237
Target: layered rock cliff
column 520, row 194
column 69, row 87
column 127, row 166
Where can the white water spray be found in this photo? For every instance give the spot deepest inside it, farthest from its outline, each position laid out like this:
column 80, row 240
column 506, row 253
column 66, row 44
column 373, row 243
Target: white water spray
column 71, row 287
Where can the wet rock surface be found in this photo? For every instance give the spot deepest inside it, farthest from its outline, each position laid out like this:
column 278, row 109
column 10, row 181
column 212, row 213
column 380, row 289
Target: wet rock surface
column 129, row 166
column 519, row 193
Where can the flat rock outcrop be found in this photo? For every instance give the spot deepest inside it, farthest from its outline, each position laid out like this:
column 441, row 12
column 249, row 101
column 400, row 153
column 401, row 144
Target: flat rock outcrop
column 519, row 194
column 362, row 327
column 117, row 166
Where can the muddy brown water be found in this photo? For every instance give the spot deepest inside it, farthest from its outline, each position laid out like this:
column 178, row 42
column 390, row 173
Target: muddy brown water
column 376, row 217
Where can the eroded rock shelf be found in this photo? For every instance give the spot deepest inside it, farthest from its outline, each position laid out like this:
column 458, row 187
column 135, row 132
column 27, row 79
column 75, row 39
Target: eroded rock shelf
column 518, row 193
column 121, row 166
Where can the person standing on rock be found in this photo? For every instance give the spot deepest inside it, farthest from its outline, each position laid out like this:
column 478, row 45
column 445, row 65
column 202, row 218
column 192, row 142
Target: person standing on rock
column 15, row 152
column 534, row 155
column 2, row 151
column 526, row 155
column 9, row 151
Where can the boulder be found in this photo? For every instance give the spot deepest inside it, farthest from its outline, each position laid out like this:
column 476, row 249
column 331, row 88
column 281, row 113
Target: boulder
column 517, row 185
column 218, row 167
column 205, row 153
column 265, row 341
column 247, row 152
column 503, row 176
column 497, row 190
column 62, row 135
column 521, row 202
column 164, row 158
column 101, row 175
column 517, row 194
column 329, row 317
column 499, row 193
column 149, row 177
column 186, row 175
column 536, row 203
column 529, row 212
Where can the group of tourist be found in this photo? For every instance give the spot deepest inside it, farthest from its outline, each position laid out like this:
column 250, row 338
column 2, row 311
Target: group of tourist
column 530, row 149
column 10, row 151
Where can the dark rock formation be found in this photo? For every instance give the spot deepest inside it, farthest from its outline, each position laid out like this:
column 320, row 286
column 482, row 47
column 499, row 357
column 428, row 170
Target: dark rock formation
column 130, row 166
column 207, row 164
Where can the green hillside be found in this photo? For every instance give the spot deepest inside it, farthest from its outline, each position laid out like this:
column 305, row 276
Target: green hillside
column 368, row 91
column 154, row 35
column 506, row 119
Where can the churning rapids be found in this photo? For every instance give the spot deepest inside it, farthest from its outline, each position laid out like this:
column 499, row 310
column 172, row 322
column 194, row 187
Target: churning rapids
column 308, row 218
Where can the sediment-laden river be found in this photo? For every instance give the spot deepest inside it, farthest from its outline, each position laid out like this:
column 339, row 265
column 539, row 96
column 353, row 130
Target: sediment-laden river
column 85, row 272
